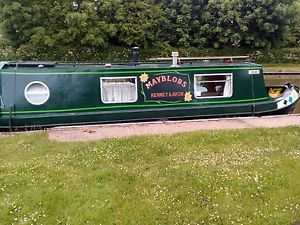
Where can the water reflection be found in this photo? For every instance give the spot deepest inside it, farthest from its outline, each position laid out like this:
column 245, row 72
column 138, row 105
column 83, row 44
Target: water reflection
column 279, row 80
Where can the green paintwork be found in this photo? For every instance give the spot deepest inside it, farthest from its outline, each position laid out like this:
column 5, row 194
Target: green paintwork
column 135, row 106
column 75, row 94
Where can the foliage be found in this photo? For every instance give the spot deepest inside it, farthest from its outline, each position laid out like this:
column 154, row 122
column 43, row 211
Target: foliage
column 7, row 52
column 139, row 23
column 83, row 27
column 274, row 55
column 122, row 54
column 223, row 177
column 183, row 21
column 260, row 23
column 292, row 37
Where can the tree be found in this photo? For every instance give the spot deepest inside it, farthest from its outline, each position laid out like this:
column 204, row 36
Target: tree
column 292, row 36
column 79, row 29
column 258, row 23
column 56, row 26
column 139, row 23
column 179, row 19
column 6, row 49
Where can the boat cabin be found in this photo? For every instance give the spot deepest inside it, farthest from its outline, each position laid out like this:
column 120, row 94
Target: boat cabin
column 38, row 94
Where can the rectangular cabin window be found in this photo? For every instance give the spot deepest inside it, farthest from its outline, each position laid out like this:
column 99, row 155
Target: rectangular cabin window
column 213, row 85
column 118, row 89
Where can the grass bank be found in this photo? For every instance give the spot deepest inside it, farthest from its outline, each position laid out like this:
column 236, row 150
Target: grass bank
column 224, row 177
column 281, row 67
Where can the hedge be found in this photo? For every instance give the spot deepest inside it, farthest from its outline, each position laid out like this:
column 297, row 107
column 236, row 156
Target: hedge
column 118, row 54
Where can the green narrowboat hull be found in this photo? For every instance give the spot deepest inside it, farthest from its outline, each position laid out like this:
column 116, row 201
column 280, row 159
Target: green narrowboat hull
column 48, row 94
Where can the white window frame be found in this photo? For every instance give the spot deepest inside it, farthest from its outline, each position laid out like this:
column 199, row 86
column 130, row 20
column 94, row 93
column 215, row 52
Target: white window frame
column 213, row 74
column 26, row 93
column 116, row 78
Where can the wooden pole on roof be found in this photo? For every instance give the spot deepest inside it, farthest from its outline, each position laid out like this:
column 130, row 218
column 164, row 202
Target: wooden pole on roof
column 231, row 58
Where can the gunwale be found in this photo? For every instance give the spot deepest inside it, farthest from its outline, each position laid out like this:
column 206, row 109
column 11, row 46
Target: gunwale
column 133, row 106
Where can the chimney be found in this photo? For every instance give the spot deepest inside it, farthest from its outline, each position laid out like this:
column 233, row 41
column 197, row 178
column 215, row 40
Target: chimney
column 136, row 55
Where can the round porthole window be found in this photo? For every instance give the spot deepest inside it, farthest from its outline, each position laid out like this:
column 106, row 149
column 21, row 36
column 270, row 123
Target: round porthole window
column 37, row 93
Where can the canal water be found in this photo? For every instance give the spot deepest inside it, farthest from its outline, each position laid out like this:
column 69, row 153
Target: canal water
column 279, row 80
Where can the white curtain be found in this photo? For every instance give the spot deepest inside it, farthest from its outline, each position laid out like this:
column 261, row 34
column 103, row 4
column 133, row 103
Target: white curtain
column 227, row 88
column 200, row 89
column 118, row 92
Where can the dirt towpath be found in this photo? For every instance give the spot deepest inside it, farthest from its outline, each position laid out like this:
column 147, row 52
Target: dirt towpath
column 97, row 132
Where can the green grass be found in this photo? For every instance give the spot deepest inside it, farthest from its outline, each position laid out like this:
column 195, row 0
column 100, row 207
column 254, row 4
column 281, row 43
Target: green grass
column 281, row 67
column 224, row 177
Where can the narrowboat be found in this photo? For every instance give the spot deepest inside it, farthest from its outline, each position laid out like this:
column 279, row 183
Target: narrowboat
column 45, row 94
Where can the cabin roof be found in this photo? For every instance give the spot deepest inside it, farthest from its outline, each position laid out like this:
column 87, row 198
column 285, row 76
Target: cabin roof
column 122, row 66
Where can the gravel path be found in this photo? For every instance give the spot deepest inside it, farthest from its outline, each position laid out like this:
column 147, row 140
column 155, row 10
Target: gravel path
column 96, row 132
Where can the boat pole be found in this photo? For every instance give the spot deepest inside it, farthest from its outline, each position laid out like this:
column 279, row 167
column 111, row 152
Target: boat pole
column 13, row 99
column 10, row 118
column 253, row 104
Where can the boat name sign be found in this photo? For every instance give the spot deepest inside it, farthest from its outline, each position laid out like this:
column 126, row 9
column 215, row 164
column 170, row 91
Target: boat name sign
column 166, row 87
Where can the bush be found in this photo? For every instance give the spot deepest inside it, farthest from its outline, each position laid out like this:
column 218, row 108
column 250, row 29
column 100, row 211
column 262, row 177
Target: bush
column 281, row 55
column 120, row 54
column 7, row 52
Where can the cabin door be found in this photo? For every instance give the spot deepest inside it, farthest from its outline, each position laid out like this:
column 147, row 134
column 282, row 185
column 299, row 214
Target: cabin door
column 258, row 89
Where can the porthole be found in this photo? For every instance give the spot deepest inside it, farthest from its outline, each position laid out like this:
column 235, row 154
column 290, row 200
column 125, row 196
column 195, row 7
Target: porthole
column 37, row 93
